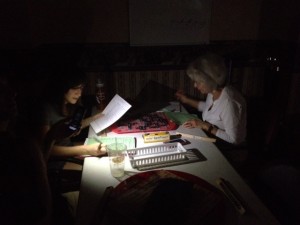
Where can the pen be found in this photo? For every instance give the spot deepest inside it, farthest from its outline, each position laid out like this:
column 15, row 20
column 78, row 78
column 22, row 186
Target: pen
column 232, row 194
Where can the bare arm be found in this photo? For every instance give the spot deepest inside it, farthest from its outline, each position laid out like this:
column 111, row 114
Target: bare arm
column 86, row 122
column 186, row 100
column 60, row 131
column 71, row 151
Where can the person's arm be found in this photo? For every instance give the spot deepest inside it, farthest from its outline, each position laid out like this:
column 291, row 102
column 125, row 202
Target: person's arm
column 191, row 102
column 86, row 122
column 59, row 131
column 234, row 121
column 186, row 100
column 78, row 150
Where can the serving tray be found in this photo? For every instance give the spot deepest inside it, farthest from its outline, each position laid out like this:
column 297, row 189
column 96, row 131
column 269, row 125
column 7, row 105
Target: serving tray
column 165, row 155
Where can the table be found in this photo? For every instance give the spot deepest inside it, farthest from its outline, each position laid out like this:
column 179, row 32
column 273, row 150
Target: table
column 96, row 178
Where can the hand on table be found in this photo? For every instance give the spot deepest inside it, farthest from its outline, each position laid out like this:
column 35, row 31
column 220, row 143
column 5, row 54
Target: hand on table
column 96, row 149
column 195, row 123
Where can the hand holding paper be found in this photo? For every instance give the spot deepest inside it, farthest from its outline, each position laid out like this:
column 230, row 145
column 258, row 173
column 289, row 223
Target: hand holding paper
column 116, row 108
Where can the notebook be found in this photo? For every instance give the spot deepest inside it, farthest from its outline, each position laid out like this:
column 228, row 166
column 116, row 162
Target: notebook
column 129, row 141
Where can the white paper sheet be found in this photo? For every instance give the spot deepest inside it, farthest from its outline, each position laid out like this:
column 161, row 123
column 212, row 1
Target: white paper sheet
column 116, row 108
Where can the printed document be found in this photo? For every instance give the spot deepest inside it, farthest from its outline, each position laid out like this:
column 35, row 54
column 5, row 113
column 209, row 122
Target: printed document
column 116, row 108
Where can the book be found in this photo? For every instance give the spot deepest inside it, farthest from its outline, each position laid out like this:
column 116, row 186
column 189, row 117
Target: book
column 194, row 133
column 129, row 141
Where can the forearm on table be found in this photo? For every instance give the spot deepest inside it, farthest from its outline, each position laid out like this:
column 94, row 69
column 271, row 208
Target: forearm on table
column 209, row 128
column 226, row 136
column 69, row 151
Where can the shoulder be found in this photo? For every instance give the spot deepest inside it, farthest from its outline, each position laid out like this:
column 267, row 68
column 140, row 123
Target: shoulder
column 48, row 106
column 50, row 109
column 52, row 114
column 233, row 95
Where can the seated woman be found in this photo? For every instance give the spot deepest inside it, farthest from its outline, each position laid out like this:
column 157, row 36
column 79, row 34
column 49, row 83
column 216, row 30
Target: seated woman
column 63, row 96
column 224, row 110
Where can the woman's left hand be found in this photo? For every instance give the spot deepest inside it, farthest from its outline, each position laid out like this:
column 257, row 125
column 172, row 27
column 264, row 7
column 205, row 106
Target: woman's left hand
column 194, row 123
column 86, row 122
column 97, row 116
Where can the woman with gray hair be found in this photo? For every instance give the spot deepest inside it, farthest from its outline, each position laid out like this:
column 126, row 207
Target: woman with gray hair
column 224, row 110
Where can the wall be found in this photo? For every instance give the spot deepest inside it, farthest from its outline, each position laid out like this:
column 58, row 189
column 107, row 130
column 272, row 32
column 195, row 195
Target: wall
column 32, row 23
column 280, row 20
column 129, row 84
column 235, row 20
column 14, row 24
column 77, row 21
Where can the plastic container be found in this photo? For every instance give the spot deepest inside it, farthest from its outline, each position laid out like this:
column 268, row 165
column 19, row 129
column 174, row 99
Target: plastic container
column 158, row 156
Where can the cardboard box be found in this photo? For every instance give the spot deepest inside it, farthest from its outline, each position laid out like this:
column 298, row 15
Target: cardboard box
column 161, row 136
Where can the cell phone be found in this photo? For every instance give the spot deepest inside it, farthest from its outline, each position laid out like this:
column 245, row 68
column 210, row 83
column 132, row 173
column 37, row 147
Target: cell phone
column 77, row 117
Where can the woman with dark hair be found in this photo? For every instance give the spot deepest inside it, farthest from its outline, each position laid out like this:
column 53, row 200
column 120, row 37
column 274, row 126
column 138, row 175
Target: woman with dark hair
column 63, row 97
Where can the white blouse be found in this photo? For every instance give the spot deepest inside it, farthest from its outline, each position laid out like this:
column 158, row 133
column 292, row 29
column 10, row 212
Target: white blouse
column 228, row 113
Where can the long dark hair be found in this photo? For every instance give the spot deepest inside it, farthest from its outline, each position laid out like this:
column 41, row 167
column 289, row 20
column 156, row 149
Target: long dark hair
column 59, row 84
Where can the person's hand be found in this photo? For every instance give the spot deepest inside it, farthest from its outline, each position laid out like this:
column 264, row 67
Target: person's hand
column 86, row 122
column 97, row 116
column 96, row 149
column 194, row 123
column 180, row 96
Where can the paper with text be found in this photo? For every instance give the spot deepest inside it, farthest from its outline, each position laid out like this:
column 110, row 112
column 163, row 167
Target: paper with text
column 116, row 108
